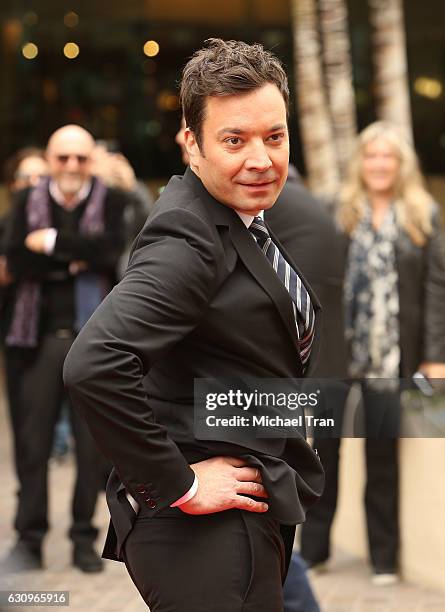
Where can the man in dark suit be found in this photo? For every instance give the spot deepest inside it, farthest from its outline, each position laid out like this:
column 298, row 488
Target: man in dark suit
column 306, row 229
column 205, row 524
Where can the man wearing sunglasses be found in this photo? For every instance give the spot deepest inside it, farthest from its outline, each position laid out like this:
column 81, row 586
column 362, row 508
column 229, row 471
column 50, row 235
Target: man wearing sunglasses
column 64, row 243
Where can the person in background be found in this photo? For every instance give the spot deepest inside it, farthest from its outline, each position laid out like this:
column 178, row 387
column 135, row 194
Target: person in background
column 115, row 171
column 25, row 168
column 22, row 170
column 394, row 300
column 63, row 244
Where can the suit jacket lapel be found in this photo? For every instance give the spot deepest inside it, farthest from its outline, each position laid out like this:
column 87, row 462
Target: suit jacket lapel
column 260, row 268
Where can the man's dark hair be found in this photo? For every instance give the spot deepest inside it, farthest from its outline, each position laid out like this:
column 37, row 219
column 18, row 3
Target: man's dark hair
column 224, row 68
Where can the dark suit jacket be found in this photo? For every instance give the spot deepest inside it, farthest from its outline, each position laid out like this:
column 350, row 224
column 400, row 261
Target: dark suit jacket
column 198, row 300
column 307, row 231
column 421, row 272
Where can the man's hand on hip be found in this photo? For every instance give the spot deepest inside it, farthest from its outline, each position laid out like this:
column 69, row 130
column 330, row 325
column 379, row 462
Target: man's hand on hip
column 223, row 484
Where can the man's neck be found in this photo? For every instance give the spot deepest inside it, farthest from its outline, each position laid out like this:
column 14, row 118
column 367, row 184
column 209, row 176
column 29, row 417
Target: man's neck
column 247, row 218
column 69, row 201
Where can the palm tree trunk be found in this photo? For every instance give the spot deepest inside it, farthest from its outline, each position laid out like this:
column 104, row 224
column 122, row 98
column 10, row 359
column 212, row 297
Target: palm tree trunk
column 390, row 62
column 338, row 71
column 315, row 121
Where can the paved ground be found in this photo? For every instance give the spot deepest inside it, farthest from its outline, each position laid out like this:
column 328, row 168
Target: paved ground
column 345, row 588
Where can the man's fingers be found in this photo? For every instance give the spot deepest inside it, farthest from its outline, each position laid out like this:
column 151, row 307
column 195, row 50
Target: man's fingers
column 246, row 503
column 251, row 488
column 235, row 461
column 248, row 474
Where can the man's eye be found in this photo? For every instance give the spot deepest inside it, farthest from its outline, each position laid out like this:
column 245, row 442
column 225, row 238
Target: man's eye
column 233, row 140
column 276, row 137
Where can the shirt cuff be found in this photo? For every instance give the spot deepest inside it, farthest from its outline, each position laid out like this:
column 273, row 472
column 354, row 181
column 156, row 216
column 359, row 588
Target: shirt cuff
column 187, row 496
column 50, row 241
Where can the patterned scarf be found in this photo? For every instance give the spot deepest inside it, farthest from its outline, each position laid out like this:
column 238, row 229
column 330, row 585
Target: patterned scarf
column 372, row 299
column 24, row 327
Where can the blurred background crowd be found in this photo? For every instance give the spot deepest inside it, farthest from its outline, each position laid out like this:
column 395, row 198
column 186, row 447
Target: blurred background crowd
column 91, row 124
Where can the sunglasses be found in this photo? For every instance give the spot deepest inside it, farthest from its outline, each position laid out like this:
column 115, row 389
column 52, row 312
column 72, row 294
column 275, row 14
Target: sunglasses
column 82, row 159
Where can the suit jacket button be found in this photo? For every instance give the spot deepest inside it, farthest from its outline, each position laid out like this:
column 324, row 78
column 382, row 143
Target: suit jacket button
column 141, row 489
column 150, row 502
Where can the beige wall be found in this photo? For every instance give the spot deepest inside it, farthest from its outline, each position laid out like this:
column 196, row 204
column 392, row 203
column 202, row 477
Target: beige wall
column 422, row 508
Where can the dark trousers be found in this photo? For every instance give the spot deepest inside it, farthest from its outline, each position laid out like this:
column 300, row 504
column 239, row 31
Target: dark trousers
column 380, row 421
column 228, row 561
column 35, row 391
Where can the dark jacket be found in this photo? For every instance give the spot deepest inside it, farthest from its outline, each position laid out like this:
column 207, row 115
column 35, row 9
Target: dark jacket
column 100, row 251
column 421, row 282
column 421, row 273
column 198, row 300
column 307, row 231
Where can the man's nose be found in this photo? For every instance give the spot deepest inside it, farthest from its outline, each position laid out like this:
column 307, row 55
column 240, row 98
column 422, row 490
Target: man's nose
column 72, row 163
column 258, row 158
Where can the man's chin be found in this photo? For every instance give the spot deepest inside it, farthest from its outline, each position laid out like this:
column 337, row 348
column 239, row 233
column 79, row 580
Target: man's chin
column 258, row 198
column 253, row 208
column 70, row 188
column 253, row 204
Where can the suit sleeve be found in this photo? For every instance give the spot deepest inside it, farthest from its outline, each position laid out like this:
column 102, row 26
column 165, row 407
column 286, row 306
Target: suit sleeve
column 172, row 275
column 434, row 340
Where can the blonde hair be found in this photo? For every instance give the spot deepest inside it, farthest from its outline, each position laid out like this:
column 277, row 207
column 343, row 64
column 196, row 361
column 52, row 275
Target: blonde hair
column 413, row 204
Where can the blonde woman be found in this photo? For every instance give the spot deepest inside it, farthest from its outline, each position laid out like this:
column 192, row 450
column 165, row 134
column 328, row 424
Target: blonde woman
column 395, row 233
column 394, row 297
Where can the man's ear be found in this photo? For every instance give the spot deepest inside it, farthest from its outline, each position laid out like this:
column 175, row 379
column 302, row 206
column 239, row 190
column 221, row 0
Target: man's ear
column 192, row 148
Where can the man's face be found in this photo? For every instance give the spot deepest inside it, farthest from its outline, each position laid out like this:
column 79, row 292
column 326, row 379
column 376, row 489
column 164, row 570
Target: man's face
column 69, row 160
column 244, row 155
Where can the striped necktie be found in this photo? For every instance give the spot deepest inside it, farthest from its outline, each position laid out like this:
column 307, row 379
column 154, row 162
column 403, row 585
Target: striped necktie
column 301, row 302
